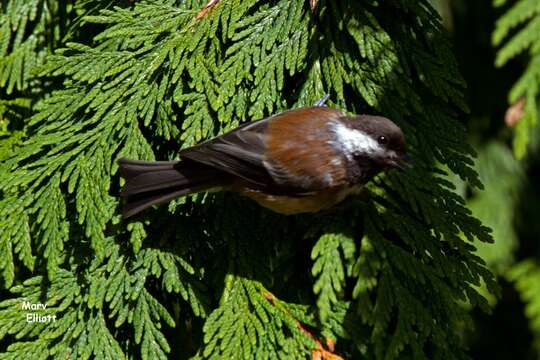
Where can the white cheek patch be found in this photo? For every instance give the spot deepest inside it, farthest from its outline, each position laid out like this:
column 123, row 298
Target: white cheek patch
column 352, row 141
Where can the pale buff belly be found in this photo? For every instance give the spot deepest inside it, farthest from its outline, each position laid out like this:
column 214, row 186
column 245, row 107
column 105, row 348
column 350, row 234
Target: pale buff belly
column 295, row 205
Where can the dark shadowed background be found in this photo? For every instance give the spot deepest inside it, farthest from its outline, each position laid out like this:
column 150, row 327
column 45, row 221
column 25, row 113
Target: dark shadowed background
column 510, row 203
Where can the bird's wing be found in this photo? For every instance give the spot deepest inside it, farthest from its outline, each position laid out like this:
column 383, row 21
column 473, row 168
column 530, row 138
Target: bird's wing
column 262, row 152
column 239, row 152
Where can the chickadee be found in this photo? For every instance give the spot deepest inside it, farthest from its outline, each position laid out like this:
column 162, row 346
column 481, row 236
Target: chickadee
column 298, row 161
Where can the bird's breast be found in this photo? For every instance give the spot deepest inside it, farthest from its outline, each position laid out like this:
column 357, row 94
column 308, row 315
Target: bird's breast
column 290, row 205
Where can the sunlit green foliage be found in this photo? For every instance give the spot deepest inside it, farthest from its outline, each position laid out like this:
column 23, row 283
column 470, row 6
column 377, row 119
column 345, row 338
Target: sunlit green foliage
column 526, row 277
column 522, row 21
column 217, row 275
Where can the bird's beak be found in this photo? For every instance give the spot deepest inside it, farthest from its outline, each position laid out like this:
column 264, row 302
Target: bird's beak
column 402, row 163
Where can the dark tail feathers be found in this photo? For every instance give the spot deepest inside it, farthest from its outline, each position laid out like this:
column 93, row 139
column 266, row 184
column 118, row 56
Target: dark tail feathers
column 154, row 182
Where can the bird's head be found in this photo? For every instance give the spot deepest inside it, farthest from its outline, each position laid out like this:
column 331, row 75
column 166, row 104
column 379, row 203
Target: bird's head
column 372, row 139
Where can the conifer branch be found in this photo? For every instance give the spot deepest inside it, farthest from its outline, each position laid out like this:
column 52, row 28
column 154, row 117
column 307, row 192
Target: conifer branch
column 209, row 5
column 524, row 20
column 388, row 278
column 319, row 353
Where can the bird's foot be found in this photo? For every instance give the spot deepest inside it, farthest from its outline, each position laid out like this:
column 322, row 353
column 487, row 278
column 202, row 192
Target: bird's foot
column 322, row 100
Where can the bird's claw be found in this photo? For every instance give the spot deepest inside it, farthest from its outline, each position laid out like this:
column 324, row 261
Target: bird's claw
column 322, row 100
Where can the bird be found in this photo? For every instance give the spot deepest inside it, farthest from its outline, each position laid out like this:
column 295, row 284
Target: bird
column 298, row 161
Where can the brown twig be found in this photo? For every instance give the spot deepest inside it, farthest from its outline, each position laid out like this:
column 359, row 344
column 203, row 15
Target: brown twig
column 209, row 5
column 515, row 113
column 313, row 5
column 319, row 353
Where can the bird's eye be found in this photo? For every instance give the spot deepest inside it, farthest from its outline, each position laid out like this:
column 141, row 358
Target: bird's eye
column 383, row 140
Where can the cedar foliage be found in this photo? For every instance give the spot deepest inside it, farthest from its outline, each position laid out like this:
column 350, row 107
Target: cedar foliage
column 516, row 37
column 215, row 276
column 516, row 32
